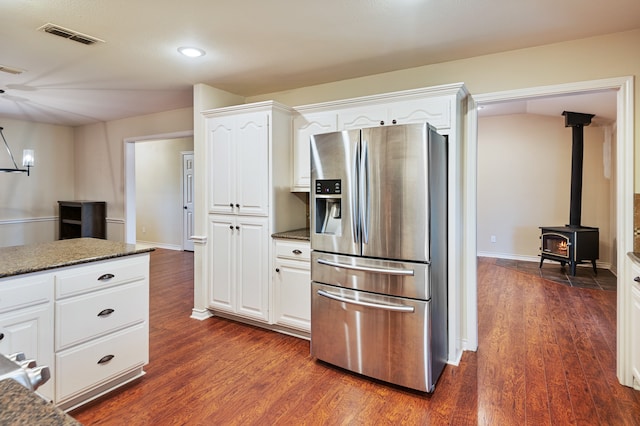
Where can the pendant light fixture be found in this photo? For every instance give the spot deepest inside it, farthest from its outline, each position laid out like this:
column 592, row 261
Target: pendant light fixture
column 27, row 158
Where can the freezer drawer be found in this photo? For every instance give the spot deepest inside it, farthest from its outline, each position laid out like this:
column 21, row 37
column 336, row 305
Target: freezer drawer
column 402, row 279
column 386, row 338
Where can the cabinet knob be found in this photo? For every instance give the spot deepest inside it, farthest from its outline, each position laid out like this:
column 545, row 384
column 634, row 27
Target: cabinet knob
column 231, row 205
column 238, row 205
column 637, row 279
column 231, row 227
column 382, row 122
column 185, row 207
column 296, row 251
column 394, row 122
column 1, row 336
column 277, row 269
column 237, row 227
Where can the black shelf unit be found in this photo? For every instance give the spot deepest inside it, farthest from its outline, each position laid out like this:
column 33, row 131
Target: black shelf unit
column 82, row 218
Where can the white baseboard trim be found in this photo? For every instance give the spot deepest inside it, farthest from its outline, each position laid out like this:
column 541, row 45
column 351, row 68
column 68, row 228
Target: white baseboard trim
column 150, row 244
column 601, row 265
column 201, row 314
column 29, row 220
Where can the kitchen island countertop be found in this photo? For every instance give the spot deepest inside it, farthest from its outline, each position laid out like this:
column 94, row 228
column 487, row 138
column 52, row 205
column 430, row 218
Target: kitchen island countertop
column 19, row 260
column 295, row 234
column 20, row 406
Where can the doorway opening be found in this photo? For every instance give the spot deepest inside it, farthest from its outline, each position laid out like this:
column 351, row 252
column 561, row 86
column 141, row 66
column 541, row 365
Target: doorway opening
column 622, row 194
column 131, row 198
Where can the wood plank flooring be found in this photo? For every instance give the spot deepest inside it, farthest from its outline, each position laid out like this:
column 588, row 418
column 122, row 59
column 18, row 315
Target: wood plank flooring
column 546, row 356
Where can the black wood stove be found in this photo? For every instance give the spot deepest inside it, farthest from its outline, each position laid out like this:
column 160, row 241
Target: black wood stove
column 572, row 244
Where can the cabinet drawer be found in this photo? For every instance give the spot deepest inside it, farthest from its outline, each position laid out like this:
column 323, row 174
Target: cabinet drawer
column 87, row 316
column 293, row 250
column 22, row 292
column 79, row 369
column 98, row 275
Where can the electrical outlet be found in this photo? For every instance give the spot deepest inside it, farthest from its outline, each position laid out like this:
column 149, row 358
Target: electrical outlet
column 493, row 239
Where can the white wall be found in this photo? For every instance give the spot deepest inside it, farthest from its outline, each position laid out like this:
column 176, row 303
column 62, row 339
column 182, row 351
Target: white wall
column 29, row 204
column 159, row 205
column 99, row 152
column 524, row 181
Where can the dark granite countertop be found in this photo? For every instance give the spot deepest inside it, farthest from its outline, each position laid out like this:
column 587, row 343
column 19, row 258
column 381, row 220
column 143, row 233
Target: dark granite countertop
column 295, row 234
column 19, row 260
column 20, row 406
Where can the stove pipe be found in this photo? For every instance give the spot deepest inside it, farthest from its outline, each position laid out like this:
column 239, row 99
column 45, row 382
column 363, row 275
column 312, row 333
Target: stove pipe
column 576, row 121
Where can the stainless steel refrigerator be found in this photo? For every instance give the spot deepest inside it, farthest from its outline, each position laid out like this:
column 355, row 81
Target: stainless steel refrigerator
column 378, row 223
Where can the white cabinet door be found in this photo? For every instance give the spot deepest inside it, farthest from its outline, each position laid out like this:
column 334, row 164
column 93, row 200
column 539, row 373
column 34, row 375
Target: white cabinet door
column 252, row 164
column 292, row 292
column 238, row 158
column 252, row 263
column 304, row 126
column 222, row 263
column 635, row 319
column 435, row 111
column 221, row 153
column 238, row 262
column 26, row 321
column 356, row 118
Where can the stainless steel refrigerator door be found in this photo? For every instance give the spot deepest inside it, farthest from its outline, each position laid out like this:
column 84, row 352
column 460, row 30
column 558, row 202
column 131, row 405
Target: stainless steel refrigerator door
column 334, row 192
column 383, row 337
column 394, row 192
column 402, row 279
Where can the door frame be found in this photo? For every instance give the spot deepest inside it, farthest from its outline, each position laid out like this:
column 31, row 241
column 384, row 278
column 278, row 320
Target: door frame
column 130, row 178
column 187, row 241
column 624, row 86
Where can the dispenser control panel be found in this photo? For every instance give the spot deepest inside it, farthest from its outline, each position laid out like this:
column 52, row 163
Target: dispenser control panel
column 328, row 186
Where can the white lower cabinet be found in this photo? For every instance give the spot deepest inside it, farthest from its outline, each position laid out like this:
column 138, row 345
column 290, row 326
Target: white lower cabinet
column 101, row 327
column 26, row 321
column 635, row 319
column 292, row 284
column 239, row 266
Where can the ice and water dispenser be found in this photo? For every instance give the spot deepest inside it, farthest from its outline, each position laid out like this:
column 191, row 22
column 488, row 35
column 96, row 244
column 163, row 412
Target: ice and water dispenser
column 328, row 206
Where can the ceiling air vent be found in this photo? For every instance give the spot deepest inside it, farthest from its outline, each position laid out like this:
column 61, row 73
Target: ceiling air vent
column 69, row 34
column 10, row 70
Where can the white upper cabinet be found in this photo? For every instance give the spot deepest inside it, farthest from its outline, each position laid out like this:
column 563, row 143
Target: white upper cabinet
column 238, row 149
column 435, row 105
column 304, row 126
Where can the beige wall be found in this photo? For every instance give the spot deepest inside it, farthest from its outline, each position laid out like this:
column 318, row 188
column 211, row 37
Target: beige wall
column 159, row 191
column 524, row 181
column 613, row 55
column 99, row 152
column 29, row 204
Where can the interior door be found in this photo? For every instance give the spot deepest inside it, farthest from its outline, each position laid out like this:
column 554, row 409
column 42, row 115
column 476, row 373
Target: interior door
column 187, row 201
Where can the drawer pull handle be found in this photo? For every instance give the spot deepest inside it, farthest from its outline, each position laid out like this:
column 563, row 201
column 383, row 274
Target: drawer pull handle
column 106, row 312
column 1, row 336
column 106, row 359
column 105, row 277
column 296, row 251
column 637, row 279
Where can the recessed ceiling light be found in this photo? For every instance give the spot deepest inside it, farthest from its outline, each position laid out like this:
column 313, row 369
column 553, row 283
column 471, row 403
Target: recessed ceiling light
column 191, row 52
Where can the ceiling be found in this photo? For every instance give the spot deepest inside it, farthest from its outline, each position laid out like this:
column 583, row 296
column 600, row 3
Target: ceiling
column 255, row 47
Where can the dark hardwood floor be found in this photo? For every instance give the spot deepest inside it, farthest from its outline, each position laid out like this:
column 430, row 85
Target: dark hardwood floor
column 546, row 356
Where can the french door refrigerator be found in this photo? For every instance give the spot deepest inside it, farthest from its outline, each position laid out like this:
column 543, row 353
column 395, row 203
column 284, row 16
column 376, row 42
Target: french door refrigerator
column 378, row 210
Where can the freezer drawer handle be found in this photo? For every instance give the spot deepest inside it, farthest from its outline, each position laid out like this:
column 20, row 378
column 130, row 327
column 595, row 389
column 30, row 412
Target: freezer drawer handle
column 367, row 268
column 394, row 308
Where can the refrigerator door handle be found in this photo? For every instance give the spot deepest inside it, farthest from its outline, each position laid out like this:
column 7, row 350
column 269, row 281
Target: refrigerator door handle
column 364, row 192
column 355, row 208
column 394, row 308
column 406, row 272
